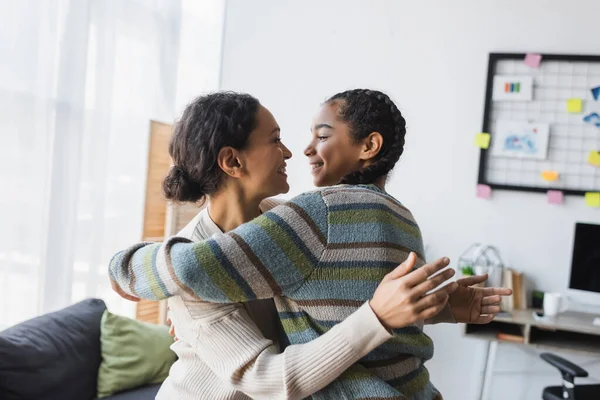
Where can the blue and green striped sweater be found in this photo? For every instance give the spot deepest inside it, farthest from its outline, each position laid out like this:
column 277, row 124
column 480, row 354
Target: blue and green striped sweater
column 321, row 255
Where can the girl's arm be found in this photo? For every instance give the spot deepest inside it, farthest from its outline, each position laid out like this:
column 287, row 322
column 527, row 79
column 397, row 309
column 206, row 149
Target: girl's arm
column 267, row 257
column 444, row 316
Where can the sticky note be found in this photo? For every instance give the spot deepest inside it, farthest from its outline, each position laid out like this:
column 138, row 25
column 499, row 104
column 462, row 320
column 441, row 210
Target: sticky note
column 533, row 60
column 592, row 199
column 574, row 106
column 596, row 92
column 594, row 158
column 549, row 175
column 555, row 197
column 482, row 140
column 484, row 191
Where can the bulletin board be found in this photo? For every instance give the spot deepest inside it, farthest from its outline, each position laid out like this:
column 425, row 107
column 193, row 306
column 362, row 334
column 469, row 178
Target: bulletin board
column 543, row 121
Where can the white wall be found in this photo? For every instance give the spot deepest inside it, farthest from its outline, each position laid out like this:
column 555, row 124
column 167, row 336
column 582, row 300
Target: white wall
column 199, row 61
column 431, row 57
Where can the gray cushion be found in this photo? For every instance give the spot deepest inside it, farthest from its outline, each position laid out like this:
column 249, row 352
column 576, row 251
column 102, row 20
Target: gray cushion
column 54, row 356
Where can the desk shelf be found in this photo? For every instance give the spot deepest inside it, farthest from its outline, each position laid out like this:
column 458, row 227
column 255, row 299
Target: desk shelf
column 560, row 339
column 570, row 331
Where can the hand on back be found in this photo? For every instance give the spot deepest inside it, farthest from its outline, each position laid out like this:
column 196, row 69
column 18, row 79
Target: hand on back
column 402, row 298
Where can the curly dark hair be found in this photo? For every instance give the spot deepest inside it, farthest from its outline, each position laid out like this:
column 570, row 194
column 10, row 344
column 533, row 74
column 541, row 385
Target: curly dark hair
column 366, row 111
column 208, row 124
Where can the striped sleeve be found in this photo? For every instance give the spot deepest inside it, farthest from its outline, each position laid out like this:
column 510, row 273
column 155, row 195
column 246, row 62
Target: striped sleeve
column 270, row 256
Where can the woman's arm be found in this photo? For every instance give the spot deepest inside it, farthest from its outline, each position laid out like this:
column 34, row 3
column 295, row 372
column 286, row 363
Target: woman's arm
column 236, row 351
column 267, row 257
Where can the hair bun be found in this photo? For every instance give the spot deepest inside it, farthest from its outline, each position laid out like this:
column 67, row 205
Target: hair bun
column 178, row 186
column 179, row 173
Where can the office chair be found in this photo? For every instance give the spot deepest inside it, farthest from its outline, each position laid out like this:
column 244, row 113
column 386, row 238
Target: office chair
column 569, row 390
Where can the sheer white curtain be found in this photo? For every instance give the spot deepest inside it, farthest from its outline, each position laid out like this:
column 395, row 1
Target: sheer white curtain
column 79, row 82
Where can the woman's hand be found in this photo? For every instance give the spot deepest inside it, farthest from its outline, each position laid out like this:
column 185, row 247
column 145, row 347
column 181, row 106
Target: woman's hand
column 401, row 298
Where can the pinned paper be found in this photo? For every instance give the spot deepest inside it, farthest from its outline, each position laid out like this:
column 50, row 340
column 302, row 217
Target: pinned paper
column 596, row 92
column 521, row 139
column 512, row 88
column 592, row 118
column 484, row 191
column 574, row 106
column 533, row 60
column 555, row 197
column 482, row 140
column 549, row 175
column 594, row 158
column 592, row 199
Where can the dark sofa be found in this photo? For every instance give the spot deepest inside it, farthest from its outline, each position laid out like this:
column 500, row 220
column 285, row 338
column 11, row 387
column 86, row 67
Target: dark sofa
column 57, row 356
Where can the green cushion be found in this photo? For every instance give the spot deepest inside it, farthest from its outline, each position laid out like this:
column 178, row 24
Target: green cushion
column 134, row 354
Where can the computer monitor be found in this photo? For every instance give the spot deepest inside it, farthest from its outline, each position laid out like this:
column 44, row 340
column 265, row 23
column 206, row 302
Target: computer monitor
column 584, row 283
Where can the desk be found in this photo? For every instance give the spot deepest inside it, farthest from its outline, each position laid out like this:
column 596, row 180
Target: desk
column 569, row 331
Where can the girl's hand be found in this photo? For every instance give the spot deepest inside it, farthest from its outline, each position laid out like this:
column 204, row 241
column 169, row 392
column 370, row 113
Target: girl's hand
column 121, row 292
column 475, row 305
column 401, row 298
column 171, row 326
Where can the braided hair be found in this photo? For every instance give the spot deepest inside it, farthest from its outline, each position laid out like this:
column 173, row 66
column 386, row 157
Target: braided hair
column 208, row 124
column 366, row 111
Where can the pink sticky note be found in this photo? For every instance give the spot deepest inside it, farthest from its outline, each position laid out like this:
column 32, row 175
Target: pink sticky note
column 533, row 60
column 484, row 191
column 555, row 197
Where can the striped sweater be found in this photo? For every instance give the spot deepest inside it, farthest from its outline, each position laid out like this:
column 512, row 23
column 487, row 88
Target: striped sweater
column 322, row 256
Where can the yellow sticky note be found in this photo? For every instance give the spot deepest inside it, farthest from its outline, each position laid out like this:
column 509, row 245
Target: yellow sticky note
column 574, row 105
column 594, row 158
column 549, row 175
column 482, row 140
column 592, row 199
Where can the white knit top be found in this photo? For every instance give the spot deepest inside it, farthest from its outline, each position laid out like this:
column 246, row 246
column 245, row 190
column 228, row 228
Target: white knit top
column 224, row 355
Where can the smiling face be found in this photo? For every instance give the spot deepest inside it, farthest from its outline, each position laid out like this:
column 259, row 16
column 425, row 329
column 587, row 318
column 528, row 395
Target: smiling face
column 263, row 158
column 332, row 152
